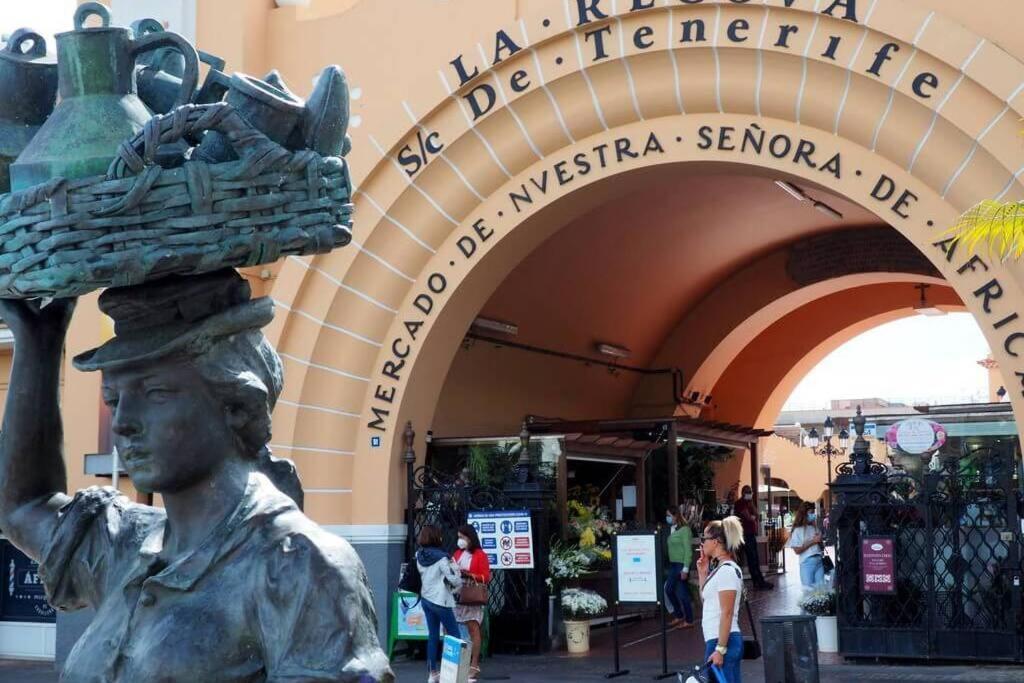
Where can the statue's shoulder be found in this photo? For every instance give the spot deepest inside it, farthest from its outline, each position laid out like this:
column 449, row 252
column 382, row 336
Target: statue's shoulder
column 296, row 541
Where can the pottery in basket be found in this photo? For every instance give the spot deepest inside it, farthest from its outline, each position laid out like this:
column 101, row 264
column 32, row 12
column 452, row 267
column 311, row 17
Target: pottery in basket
column 28, row 84
column 98, row 106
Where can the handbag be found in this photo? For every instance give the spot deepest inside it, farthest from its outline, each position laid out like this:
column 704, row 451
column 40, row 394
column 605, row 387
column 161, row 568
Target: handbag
column 827, row 564
column 751, row 645
column 472, row 593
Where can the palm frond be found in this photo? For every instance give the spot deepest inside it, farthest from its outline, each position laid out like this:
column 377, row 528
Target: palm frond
column 999, row 225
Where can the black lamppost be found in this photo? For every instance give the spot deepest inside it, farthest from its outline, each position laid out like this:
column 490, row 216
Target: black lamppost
column 522, row 471
column 827, row 449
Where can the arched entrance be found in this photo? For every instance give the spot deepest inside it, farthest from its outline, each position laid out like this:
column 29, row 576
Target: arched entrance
column 901, row 111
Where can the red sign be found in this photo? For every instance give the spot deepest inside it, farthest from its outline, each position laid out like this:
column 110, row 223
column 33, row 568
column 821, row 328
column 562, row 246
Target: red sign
column 522, row 541
column 522, row 558
column 878, row 565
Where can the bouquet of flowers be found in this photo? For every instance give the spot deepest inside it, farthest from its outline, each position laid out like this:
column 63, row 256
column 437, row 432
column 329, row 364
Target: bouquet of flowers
column 820, row 602
column 566, row 562
column 579, row 605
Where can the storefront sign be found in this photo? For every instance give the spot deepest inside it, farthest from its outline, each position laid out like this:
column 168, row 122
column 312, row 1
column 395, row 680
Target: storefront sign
column 636, row 567
column 878, row 565
column 506, row 536
column 22, row 597
column 916, row 436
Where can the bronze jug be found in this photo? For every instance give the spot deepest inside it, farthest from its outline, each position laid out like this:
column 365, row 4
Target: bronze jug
column 99, row 107
column 28, row 93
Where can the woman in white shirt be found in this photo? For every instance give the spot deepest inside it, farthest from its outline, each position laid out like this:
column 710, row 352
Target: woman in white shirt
column 441, row 579
column 721, row 581
column 805, row 540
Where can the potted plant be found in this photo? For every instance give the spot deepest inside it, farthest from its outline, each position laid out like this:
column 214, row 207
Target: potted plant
column 579, row 607
column 821, row 602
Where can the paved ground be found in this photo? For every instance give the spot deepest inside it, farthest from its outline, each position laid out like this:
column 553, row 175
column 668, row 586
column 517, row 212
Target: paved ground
column 641, row 654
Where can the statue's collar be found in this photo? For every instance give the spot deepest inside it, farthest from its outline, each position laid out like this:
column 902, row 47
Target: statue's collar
column 261, row 499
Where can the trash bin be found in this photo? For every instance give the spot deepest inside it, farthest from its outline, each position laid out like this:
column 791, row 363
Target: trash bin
column 790, row 649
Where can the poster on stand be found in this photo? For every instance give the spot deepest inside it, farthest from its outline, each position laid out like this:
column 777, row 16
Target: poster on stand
column 636, row 568
column 506, row 536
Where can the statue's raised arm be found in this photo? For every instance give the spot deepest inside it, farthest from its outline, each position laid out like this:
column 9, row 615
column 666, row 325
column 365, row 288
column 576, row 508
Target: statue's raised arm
column 32, row 475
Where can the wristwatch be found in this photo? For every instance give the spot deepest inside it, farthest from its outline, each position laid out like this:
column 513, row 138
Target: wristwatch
column 721, row 649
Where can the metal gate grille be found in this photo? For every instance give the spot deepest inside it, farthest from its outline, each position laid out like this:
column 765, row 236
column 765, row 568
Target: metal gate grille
column 957, row 562
column 517, row 599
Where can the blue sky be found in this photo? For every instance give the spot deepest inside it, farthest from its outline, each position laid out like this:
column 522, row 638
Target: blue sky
column 914, row 360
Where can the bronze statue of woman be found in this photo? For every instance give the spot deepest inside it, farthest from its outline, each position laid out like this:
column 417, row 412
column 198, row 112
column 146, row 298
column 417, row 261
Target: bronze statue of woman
column 230, row 581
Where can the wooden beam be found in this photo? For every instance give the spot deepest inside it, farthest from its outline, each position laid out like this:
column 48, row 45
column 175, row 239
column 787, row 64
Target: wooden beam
column 563, row 494
column 672, row 451
column 754, row 475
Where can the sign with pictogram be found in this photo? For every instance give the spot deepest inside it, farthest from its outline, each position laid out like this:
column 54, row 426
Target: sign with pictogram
column 510, row 533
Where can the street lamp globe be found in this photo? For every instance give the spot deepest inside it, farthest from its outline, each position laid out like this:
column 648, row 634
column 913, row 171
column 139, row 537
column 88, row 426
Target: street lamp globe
column 812, row 438
column 844, row 439
column 828, row 427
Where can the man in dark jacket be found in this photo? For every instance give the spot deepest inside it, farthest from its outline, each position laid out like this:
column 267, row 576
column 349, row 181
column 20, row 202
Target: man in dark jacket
column 744, row 509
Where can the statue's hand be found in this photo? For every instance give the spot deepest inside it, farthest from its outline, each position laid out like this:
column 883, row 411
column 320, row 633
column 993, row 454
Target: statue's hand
column 36, row 325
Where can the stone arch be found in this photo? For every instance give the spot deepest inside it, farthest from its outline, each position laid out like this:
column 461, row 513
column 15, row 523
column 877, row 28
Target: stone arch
column 348, row 312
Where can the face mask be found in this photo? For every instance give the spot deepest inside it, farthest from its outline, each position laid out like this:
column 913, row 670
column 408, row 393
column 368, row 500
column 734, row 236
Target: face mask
column 463, row 543
column 669, row 520
column 748, row 496
column 812, row 516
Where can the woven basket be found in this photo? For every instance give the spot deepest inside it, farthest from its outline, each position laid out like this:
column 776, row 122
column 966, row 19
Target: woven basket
column 142, row 221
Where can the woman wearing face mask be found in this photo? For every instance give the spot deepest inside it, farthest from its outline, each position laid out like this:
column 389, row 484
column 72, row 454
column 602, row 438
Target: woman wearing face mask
column 805, row 540
column 680, row 555
column 473, row 563
column 721, row 581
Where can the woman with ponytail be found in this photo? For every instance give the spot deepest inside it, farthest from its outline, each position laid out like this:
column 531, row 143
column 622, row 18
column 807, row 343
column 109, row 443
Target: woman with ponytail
column 721, row 581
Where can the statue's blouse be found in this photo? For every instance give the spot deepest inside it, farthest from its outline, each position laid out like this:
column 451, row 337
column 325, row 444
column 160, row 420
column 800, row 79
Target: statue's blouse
column 268, row 596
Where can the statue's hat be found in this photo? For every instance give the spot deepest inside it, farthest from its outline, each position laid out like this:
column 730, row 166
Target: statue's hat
column 175, row 315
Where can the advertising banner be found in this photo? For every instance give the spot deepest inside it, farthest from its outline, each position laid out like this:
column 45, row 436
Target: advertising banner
column 636, row 567
column 411, row 622
column 22, row 597
column 878, row 565
column 506, row 536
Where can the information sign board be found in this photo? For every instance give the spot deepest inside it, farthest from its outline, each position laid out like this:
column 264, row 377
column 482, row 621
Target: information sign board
column 878, row 565
column 506, row 536
column 636, row 568
column 22, row 597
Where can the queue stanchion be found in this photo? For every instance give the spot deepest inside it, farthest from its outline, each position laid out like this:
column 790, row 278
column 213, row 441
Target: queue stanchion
column 616, row 672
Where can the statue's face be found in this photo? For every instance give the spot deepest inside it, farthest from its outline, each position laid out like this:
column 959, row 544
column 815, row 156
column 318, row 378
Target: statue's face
column 170, row 431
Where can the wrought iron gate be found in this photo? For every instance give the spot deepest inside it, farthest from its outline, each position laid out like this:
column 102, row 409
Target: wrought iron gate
column 517, row 599
column 957, row 560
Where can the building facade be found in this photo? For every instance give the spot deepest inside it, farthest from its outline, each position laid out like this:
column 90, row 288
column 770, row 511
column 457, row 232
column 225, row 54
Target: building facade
column 604, row 171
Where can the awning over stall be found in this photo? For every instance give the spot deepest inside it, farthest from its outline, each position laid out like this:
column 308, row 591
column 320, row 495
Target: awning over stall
column 635, row 437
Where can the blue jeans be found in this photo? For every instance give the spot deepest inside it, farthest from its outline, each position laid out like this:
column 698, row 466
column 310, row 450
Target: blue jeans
column 437, row 616
column 677, row 593
column 731, row 667
column 812, row 572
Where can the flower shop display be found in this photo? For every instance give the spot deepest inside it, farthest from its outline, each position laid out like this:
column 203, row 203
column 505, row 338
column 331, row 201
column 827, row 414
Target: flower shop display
column 579, row 606
column 821, row 602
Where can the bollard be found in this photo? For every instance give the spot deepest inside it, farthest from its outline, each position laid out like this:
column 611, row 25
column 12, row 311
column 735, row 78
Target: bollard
column 790, row 649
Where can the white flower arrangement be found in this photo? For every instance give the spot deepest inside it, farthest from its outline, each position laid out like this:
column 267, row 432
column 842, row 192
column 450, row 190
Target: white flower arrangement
column 566, row 562
column 821, row 602
column 580, row 604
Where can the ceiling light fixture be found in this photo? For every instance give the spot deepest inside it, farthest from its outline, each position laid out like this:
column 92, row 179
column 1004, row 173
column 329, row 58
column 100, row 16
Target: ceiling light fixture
column 827, row 210
column 792, row 190
column 496, row 326
column 613, row 351
column 923, row 307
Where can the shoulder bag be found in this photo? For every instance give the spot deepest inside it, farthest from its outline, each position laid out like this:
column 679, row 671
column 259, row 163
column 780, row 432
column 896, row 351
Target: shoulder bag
column 751, row 645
